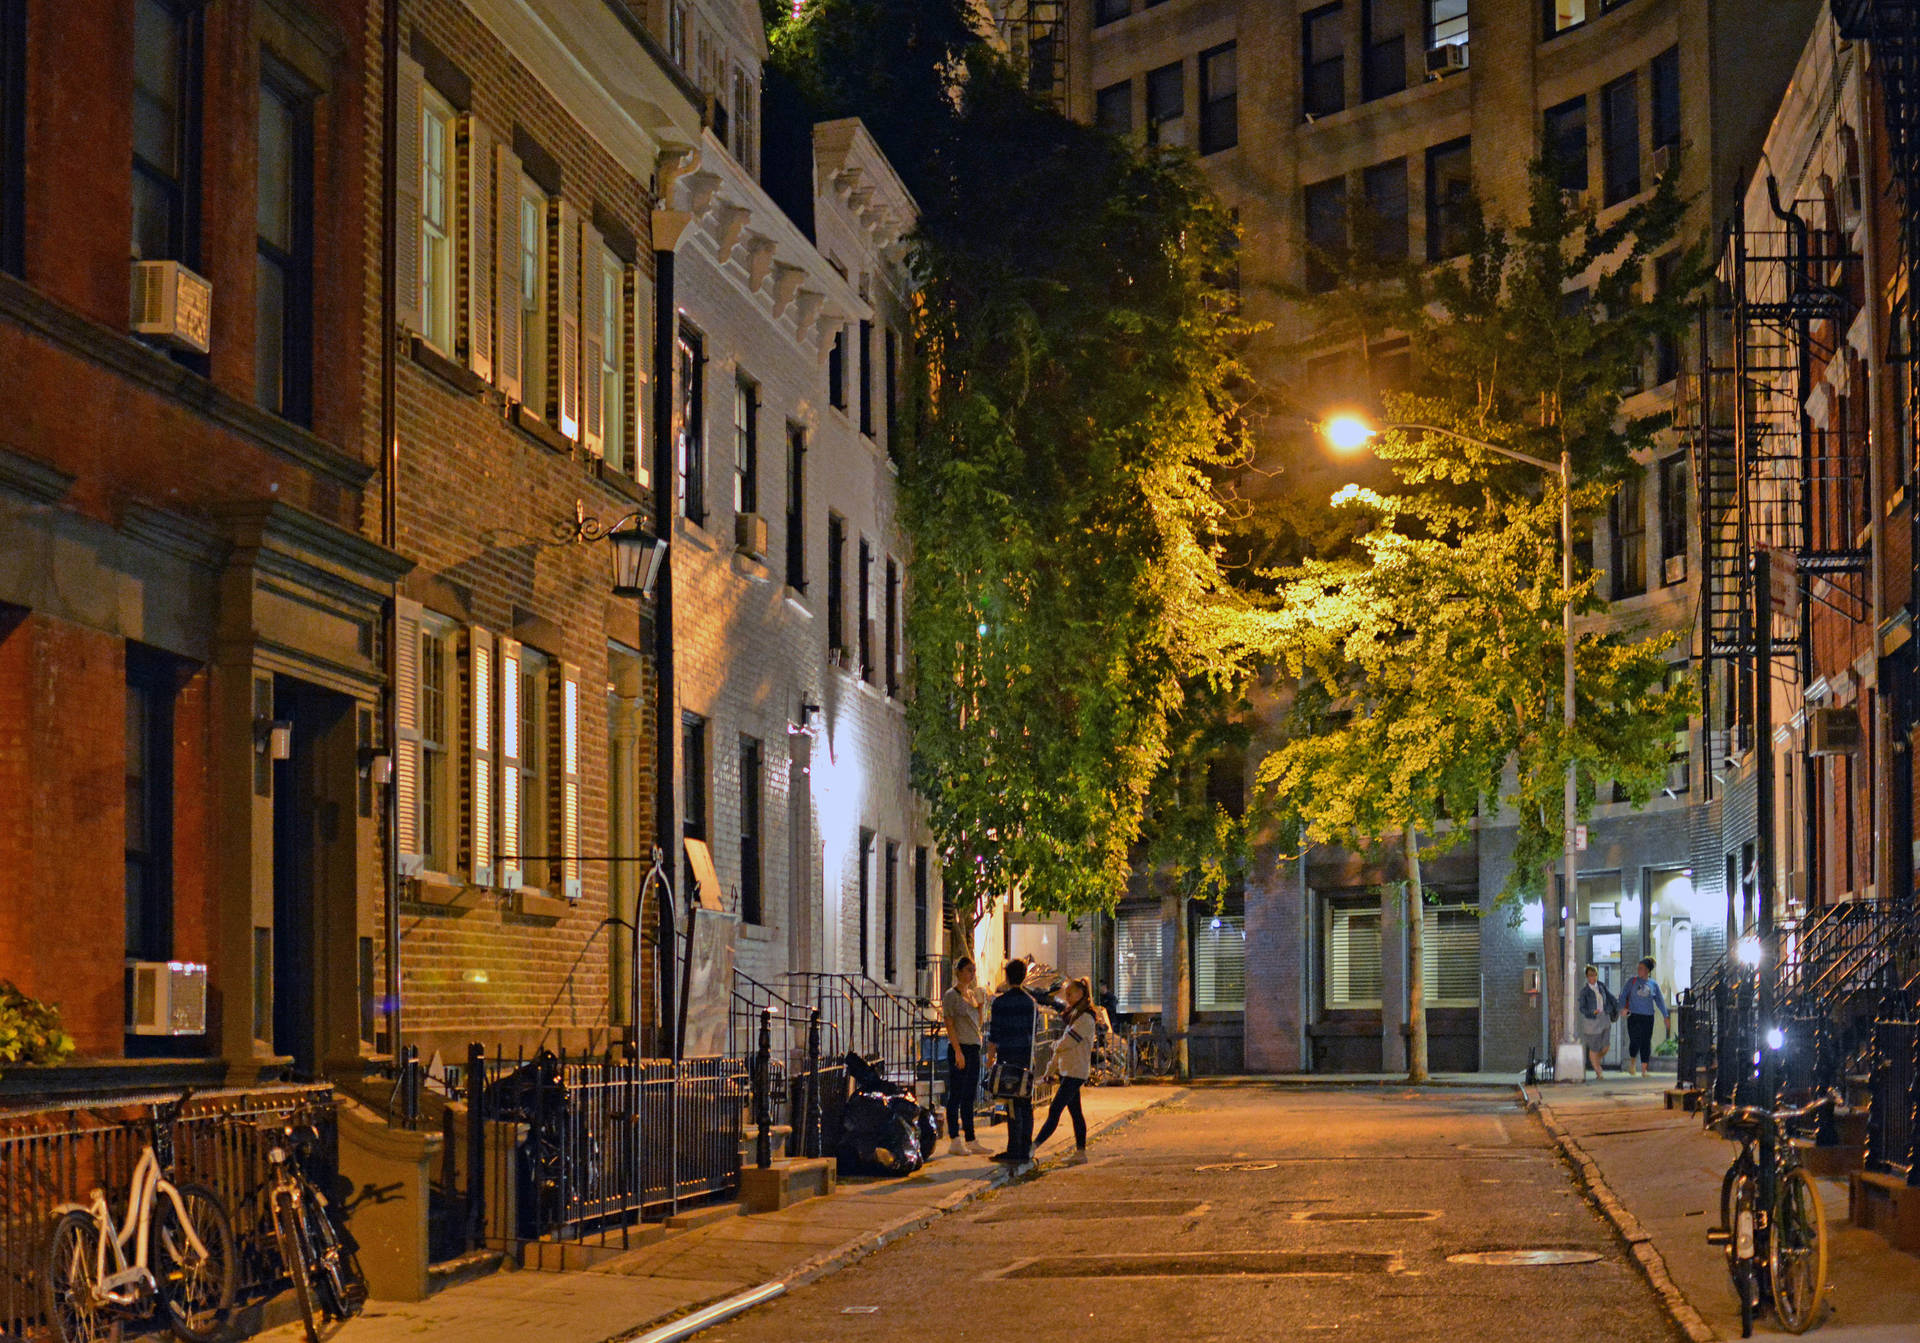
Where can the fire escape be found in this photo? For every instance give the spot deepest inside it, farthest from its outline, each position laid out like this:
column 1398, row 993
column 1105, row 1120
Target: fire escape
column 1037, row 30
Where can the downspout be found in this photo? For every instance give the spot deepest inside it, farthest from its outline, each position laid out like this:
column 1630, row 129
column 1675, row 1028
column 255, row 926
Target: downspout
column 389, row 477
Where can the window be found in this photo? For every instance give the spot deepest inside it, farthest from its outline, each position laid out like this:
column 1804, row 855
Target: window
column 1449, row 198
column 677, row 33
column 922, row 910
column 149, row 798
column 1353, row 956
column 746, row 445
column 866, row 900
column 166, row 94
column 745, row 141
column 613, row 363
column 1323, row 67
column 1446, row 23
column 690, row 445
column 893, row 629
column 836, row 587
column 1219, row 99
column 436, row 220
column 796, row 508
column 535, row 766
column 1450, row 955
column 534, row 236
column 1664, row 88
column 1326, row 216
column 1167, row 105
column 890, row 371
column 1383, row 48
column 1136, row 961
column 865, row 630
column 1113, row 108
column 1385, row 223
column 750, row 791
column 1666, row 344
column 437, row 801
column 1564, row 14
column 866, row 378
column 1563, row 144
column 13, row 135
column 837, row 370
column 1220, row 964
column 1673, row 518
column 693, row 795
column 1110, row 11
column 890, row 909
column 1620, row 138
column 1680, row 761
column 1628, row 522
column 283, row 250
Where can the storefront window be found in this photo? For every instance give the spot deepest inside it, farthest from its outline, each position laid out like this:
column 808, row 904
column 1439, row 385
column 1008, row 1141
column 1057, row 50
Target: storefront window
column 1220, row 964
column 1353, row 956
column 1137, row 961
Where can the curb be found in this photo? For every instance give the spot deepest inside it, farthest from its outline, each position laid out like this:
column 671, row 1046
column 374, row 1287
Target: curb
column 1334, row 1082
column 1639, row 1241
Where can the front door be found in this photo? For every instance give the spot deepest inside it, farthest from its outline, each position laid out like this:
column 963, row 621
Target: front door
column 1601, row 944
column 314, row 905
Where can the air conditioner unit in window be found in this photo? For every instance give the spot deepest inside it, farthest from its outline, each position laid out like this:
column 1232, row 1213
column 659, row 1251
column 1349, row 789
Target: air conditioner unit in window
column 1673, row 570
column 1833, row 732
column 750, row 534
column 171, row 302
column 1663, row 160
column 1446, row 60
column 837, row 657
column 166, row 998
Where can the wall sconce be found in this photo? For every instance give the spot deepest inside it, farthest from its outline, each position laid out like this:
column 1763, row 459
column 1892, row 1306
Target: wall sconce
column 273, row 738
column 809, row 723
column 376, row 766
column 637, row 554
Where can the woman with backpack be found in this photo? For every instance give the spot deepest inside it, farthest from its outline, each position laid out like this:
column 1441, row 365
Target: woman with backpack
column 1072, row 1060
column 1598, row 1012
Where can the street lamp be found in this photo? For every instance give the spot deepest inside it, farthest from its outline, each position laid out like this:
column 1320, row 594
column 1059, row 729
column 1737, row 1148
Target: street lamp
column 1349, row 433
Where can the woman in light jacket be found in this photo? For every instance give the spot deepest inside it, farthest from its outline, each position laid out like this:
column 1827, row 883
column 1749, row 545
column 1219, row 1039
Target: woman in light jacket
column 1072, row 1061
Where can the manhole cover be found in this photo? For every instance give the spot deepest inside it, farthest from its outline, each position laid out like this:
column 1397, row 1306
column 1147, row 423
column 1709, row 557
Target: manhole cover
column 1231, row 1264
column 1118, row 1207
column 1525, row 1258
column 1367, row 1215
column 1236, row 1167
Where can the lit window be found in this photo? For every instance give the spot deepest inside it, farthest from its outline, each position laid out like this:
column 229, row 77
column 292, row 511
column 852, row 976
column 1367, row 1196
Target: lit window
column 1450, row 955
column 1353, row 957
column 613, row 362
column 1220, row 964
column 533, row 296
column 436, row 220
column 1136, row 961
column 436, row 748
column 535, row 806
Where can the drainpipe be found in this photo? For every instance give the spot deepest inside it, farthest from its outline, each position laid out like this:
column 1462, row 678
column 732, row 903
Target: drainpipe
column 389, row 475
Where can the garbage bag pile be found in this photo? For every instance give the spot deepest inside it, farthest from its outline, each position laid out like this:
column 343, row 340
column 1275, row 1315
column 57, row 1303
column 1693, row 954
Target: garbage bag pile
column 883, row 1129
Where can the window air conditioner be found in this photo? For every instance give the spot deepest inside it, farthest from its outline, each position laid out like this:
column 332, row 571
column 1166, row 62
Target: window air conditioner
column 171, row 302
column 1662, row 160
column 166, row 998
column 837, row 657
column 750, row 534
column 1833, row 732
column 1673, row 570
column 1445, row 60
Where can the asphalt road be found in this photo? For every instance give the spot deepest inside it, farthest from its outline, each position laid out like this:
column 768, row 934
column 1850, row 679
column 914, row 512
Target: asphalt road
column 1251, row 1214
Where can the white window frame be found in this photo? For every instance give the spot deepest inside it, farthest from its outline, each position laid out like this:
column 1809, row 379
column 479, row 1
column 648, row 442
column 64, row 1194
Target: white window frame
column 535, row 239
column 1431, row 943
column 439, row 744
column 1337, row 997
column 437, row 214
column 615, row 448
column 535, row 764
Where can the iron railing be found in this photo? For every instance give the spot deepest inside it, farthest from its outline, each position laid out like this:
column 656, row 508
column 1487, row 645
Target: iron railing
column 788, row 1024
column 902, row 1034
column 1893, row 1113
column 60, row 1154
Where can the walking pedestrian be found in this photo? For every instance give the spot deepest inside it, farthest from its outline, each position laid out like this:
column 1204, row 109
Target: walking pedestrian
column 1598, row 1012
column 961, row 1006
column 1641, row 998
column 1010, row 1024
column 1072, row 1061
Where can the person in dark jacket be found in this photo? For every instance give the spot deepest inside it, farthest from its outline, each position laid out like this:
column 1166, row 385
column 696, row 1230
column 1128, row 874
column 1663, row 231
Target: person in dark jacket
column 1010, row 1031
column 1640, row 999
column 1598, row 1011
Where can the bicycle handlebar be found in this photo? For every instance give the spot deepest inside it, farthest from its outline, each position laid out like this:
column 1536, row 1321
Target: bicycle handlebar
column 1759, row 1114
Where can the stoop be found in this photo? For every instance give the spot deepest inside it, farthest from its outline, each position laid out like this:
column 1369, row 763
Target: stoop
column 786, row 1182
column 1886, row 1204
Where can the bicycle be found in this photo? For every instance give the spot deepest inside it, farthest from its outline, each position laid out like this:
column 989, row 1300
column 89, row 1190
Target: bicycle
column 174, row 1252
column 1150, row 1051
column 1110, row 1060
column 1771, row 1221
column 319, row 1264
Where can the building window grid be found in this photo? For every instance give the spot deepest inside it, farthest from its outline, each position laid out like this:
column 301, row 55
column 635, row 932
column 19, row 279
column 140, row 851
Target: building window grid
column 1384, row 186
column 1110, row 11
column 796, row 508
column 1113, row 108
column 1325, row 208
column 1323, row 61
column 166, row 90
column 1620, row 138
column 1220, row 964
column 1449, row 198
column 836, row 587
column 283, row 265
column 892, row 648
column 693, row 794
column 746, row 445
column 1167, row 104
column 1628, row 525
column 1447, row 23
column 1137, row 961
column 837, row 370
column 1564, row 143
column 890, row 916
column 535, row 773
column 534, row 235
column 866, row 378
column 866, row 901
column 751, row 788
column 436, row 220
column 149, row 807
column 691, row 443
column 613, row 363
column 1674, row 473
column 865, row 627
column 1383, row 53
column 1663, row 81
column 436, row 749
column 1352, row 967
column 13, row 135
column 1219, row 99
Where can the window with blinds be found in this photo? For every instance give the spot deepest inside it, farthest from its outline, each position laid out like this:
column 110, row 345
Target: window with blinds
column 1220, row 964
column 1136, row 961
column 1451, row 959
column 1353, row 956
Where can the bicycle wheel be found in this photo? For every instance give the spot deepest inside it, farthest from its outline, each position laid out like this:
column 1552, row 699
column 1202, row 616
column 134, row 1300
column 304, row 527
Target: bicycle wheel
column 289, row 1230
column 1797, row 1252
column 342, row 1287
column 196, row 1288
column 1743, row 1201
column 1742, row 1165
column 76, row 1315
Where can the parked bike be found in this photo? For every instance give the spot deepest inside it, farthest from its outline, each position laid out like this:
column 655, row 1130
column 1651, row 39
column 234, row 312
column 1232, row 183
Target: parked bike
column 1771, row 1221
column 326, row 1278
column 173, row 1253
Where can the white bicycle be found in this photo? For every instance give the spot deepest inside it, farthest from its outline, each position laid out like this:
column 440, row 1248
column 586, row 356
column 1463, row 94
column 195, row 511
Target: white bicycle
column 172, row 1254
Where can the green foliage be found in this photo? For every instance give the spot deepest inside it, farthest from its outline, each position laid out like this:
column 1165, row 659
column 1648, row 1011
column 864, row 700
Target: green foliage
column 1189, row 837
column 30, row 1029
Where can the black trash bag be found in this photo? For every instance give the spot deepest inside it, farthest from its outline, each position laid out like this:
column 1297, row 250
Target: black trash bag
column 877, row 1136
column 929, row 1132
column 866, row 1077
column 561, row 1151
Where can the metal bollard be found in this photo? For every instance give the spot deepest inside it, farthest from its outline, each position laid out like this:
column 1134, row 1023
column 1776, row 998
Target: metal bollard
column 811, row 1139
column 476, row 1145
column 762, row 1102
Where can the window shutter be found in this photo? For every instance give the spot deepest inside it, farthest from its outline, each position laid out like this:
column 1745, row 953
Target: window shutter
column 566, row 291
column 406, row 732
column 476, row 204
column 1451, row 947
column 512, row 847
column 406, row 208
column 639, row 338
column 481, row 756
column 1220, row 964
column 592, row 327
column 506, row 271
column 1137, row 960
column 569, row 781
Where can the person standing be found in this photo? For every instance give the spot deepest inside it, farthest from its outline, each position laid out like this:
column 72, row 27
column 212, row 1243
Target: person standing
column 1598, row 1011
column 961, row 1006
column 1010, row 1029
column 1640, row 999
column 1072, row 1061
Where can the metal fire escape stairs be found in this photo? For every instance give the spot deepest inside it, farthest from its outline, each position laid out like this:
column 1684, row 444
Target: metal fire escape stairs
column 1037, row 31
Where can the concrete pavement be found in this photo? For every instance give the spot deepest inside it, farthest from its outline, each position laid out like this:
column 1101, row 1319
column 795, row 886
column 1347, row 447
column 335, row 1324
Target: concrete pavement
column 625, row 1296
column 1664, row 1169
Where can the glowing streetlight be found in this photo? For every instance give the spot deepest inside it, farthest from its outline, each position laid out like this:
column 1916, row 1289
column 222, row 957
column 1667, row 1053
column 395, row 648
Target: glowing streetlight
column 1347, row 433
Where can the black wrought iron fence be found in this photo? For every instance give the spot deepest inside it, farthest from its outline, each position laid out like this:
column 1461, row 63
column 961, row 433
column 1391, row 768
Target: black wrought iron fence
column 789, row 1028
column 60, row 1154
column 1893, row 1114
column 878, row 1023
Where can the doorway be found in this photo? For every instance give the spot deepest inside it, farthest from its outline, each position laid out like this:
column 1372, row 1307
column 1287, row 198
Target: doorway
column 315, row 910
column 1601, row 942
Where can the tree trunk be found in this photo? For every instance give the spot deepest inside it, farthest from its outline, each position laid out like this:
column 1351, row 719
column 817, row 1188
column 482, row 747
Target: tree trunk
column 1416, row 955
column 1177, row 1015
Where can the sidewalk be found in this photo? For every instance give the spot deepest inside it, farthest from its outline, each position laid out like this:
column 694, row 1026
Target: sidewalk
column 625, row 1296
column 1664, row 1170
